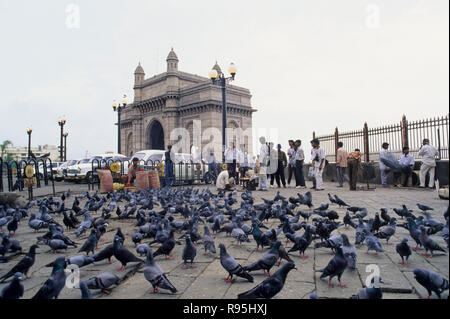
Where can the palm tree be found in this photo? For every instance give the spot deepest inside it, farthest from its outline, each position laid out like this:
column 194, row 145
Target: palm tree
column 4, row 145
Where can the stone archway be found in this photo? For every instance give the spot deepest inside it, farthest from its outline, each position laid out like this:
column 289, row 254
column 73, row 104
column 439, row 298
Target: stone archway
column 155, row 136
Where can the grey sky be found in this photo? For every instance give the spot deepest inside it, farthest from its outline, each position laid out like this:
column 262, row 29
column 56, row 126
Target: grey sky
column 310, row 65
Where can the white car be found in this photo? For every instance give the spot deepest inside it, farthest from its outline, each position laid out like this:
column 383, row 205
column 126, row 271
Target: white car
column 61, row 171
column 85, row 169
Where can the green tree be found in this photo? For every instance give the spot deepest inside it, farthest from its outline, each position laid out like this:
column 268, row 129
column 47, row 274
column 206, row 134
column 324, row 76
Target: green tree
column 3, row 147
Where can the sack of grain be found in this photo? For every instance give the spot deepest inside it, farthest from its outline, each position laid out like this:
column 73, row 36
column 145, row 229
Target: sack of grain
column 153, row 179
column 142, row 180
column 106, row 180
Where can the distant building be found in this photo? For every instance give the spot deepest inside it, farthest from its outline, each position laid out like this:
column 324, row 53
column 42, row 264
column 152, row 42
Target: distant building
column 176, row 99
column 20, row 153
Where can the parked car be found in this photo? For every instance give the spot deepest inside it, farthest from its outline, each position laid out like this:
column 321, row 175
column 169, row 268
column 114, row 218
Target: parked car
column 53, row 168
column 86, row 169
column 61, row 171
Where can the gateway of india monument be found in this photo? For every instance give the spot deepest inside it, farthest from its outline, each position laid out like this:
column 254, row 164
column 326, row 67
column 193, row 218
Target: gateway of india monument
column 176, row 99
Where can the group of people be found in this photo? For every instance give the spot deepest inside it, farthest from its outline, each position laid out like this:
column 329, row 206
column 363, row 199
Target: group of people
column 271, row 163
column 405, row 165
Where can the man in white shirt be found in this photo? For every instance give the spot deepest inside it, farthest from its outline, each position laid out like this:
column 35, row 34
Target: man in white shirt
column 428, row 154
column 318, row 162
column 224, row 181
column 384, row 170
column 407, row 163
column 299, row 158
column 231, row 157
column 264, row 160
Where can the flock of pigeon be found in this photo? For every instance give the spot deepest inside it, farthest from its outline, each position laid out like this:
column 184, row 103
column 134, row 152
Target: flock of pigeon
column 155, row 212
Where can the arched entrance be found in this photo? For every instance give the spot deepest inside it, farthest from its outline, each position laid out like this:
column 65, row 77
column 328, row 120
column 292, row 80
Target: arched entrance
column 155, row 136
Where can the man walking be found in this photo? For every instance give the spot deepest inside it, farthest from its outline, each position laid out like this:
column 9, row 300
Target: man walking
column 407, row 163
column 384, row 170
column 354, row 163
column 168, row 166
column 291, row 158
column 341, row 164
column 299, row 157
column 318, row 162
column 428, row 154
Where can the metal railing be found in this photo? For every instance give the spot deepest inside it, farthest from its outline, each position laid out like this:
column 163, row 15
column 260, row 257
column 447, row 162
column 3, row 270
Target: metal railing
column 15, row 173
column 398, row 135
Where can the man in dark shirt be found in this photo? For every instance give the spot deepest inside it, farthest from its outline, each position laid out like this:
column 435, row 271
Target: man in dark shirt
column 168, row 166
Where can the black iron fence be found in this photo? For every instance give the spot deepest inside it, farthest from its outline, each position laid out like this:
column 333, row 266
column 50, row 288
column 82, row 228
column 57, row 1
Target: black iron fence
column 14, row 171
column 404, row 133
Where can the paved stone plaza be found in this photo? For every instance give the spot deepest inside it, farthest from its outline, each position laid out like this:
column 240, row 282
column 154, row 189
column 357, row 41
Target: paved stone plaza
column 206, row 280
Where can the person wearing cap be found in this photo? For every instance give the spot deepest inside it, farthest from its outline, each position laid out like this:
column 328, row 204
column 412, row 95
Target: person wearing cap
column 282, row 163
column 132, row 169
column 384, row 170
column 428, row 154
column 299, row 157
column 318, row 162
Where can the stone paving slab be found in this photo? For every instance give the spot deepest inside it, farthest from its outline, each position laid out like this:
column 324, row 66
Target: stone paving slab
column 206, row 281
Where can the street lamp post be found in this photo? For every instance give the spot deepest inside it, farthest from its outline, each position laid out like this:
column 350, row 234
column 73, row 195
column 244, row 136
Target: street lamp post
column 119, row 108
column 220, row 79
column 29, row 131
column 65, row 146
column 61, row 123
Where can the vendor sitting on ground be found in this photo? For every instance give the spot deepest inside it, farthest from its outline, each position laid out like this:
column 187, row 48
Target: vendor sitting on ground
column 224, row 181
column 132, row 169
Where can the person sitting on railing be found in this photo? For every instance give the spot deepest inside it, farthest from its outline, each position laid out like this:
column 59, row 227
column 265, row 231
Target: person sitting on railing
column 132, row 169
column 224, row 181
column 407, row 161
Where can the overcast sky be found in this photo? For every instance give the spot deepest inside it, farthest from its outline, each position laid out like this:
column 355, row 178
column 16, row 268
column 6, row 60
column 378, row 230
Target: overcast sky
column 310, row 65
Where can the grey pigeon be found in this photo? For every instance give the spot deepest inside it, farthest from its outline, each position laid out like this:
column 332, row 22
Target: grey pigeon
column 24, row 265
column 103, row 281
column 239, row 235
column 431, row 281
column 335, row 267
column 271, row 286
column 428, row 243
column 267, row 261
column 14, row 290
column 404, row 250
column 373, row 292
column 90, row 244
column 208, row 241
column 349, row 252
column 154, row 274
column 85, row 293
column 232, row 266
column 141, row 249
column 54, row 244
column 373, row 243
column 388, row 231
column 53, row 286
column 424, row 208
column 189, row 252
